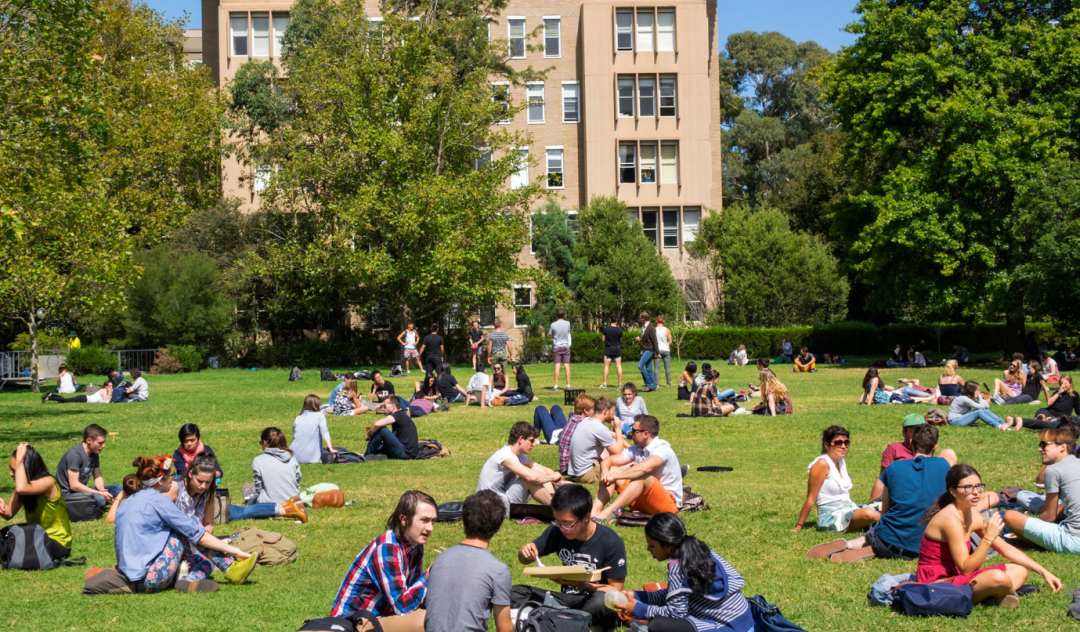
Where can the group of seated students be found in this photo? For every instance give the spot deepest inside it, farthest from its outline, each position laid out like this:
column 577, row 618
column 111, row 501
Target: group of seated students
column 926, row 507
column 466, row 586
column 114, row 391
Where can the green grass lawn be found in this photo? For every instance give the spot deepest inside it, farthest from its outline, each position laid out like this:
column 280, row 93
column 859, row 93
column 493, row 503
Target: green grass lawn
column 753, row 507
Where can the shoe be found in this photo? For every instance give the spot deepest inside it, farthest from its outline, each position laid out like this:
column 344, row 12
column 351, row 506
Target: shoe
column 826, row 549
column 535, row 398
column 200, row 586
column 1026, row 589
column 294, row 509
column 857, row 543
column 240, row 569
column 44, row 397
column 1009, row 602
column 568, row 387
column 685, row 470
column 601, row 386
column 852, row 555
column 555, row 388
column 374, row 457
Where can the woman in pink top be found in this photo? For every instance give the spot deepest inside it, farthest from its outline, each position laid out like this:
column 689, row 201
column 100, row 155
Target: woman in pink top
column 946, row 554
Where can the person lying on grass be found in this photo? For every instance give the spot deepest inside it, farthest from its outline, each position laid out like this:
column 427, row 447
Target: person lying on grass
column 946, row 553
column 646, row 476
column 101, row 396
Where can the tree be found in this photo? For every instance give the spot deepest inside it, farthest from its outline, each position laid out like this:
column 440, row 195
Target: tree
column 948, row 108
column 553, row 241
column 622, row 273
column 769, row 275
column 392, row 170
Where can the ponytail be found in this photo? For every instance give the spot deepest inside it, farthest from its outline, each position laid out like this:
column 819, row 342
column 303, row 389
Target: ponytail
column 694, row 556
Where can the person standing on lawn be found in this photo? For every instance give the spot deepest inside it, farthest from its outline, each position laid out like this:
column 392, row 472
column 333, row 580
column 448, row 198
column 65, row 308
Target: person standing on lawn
column 499, row 348
column 649, row 345
column 663, row 351
column 432, row 350
column 408, row 339
column 612, row 335
column 560, row 334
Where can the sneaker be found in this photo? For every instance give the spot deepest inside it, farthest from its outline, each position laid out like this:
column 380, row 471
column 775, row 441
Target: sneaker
column 998, row 399
column 685, row 470
column 852, row 555
column 200, row 586
column 535, row 398
column 568, row 387
column 741, row 411
column 826, row 549
column 1026, row 589
column 294, row 509
column 601, row 386
column 240, row 569
column 555, row 388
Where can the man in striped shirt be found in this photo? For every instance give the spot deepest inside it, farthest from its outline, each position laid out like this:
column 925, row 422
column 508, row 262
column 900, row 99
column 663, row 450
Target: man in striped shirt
column 387, row 579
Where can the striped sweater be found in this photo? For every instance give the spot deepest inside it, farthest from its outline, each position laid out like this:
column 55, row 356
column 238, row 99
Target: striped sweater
column 723, row 609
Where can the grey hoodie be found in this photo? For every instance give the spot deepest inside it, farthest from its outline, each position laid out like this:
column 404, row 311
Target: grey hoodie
column 277, row 476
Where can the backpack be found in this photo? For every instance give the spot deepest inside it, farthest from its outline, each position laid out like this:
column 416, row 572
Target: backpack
column 221, row 506
column 517, row 400
column 431, row 449
column 396, row 371
column 936, row 417
column 541, row 618
column 450, row 512
column 767, row 617
column 692, row 502
column 82, row 507
column 363, row 375
column 296, row 374
column 22, row 547
column 339, row 624
column 941, row 599
column 276, row 548
column 342, row 457
column 326, row 375
column 882, row 592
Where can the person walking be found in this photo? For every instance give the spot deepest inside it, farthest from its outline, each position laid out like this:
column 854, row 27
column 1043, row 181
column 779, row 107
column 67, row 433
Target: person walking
column 663, row 351
column 649, row 344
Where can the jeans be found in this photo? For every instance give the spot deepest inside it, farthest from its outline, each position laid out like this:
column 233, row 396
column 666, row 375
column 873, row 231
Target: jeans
column 893, row 364
column 1022, row 398
column 666, row 357
column 726, row 394
column 645, row 365
column 548, row 422
column 975, row 415
column 112, row 489
column 384, row 442
column 1031, row 502
column 252, row 512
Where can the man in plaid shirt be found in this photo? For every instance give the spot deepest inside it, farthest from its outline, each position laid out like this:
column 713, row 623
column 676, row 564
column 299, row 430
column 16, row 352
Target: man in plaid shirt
column 387, row 579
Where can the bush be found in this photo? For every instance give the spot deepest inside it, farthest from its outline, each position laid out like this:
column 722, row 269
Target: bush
column 164, row 363
column 91, row 361
column 47, row 341
column 189, row 357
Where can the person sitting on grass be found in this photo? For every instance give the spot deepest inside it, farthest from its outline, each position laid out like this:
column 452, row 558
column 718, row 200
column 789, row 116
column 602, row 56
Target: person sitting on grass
column 277, row 475
column 1051, row 373
column 466, row 583
column 449, row 388
column 578, row 541
column 584, row 406
column 1011, row 386
column 380, row 388
column 347, row 401
column 1033, row 387
column 687, row 380
column 897, row 361
column 510, row 474
column 946, row 553
column 904, row 450
column 497, row 386
column 705, row 402
column 475, row 388
column 349, row 375
column 139, row 391
column 1057, row 526
column 596, row 436
column 774, row 396
column 549, row 423
column 191, row 446
column 427, row 388
column 916, row 359
column 80, row 463
column 65, row 381
column 871, row 386
column 829, row 487
column 387, row 579
column 1062, row 404
column 970, row 407
column 150, row 536
column 646, row 476
column 703, row 592
column 400, row 443
column 101, row 396
column 949, row 383
column 310, row 432
column 700, row 378
column 523, row 385
column 738, row 357
column 805, row 362
column 629, row 406
column 38, row 493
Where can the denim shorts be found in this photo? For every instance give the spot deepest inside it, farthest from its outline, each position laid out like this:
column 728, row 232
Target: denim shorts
column 1051, row 536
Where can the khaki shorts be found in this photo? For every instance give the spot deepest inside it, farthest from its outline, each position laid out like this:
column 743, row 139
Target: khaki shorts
column 588, row 478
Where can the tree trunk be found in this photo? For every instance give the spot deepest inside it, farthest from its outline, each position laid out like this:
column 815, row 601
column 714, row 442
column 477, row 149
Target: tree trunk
column 1014, row 333
column 33, row 329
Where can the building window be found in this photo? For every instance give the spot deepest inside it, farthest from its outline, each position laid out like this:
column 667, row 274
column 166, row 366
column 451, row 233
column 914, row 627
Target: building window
column 627, row 163
column 260, row 31
column 624, row 29
column 648, row 224
column 555, row 168
column 500, row 93
column 262, row 177
column 486, row 316
column 667, row 96
column 691, row 220
column 646, row 97
column 632, row 215
column 520, row 178
column 665, row 30
column 534, row 92
column 644, row 30
column 671, row 227
column 522, row 305
column 483, row 158
column 669, row 163
column 572, row 220
column 281, row 22
column 516, row 27
column 552, row 37
column 648, row 163
column 626, row 97
column 570, row 108
column 238, row 24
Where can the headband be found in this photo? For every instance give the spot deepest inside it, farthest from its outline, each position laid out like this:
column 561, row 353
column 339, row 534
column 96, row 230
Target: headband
column 166, row 465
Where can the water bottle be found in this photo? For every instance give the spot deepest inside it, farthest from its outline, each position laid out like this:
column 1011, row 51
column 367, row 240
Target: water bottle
column 614, row 599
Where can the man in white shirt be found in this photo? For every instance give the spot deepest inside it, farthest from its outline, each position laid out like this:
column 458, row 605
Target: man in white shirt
column 594, row 438
column 139, row 390
column 475, row 388
column 510, row 474
column 646, row 476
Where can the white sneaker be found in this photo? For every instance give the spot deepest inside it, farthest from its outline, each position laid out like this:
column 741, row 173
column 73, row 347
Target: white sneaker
column 741, row 411
column 997, row 399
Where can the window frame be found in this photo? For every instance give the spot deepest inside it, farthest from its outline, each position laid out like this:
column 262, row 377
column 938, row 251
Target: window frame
column 510, row 20
column 547, row 167
column 275, row 36
column 530, row 88
column 649, row 32
column 673, row 82
column 675, row 162
column 519, row 306
column 665, row 212
column 655, row 213
column 622, row 81
column 624, row 166
column 558, row 36
column 256, row 36
column 483, row 159
column 674, row 41
column 495, row 88
column 641, row 96
column 654, row 145
column 630, row 32
column 233, row 34
column 577, row 101
column 688, row 233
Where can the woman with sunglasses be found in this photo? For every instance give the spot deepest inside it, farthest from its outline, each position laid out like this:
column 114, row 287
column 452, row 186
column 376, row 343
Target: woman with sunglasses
column 829, row 487
column 497, row 386
column 946, row 554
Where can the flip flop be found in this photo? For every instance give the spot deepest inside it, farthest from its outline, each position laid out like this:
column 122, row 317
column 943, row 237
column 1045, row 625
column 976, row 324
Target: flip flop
column 826, row 549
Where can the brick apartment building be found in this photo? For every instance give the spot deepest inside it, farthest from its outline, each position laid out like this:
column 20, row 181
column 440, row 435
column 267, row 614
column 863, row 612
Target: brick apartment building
column 630, row 107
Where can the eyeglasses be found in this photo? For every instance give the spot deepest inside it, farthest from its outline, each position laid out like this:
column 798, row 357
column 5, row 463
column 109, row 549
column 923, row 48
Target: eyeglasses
column 1043, row 444
column 567, row 527
column 971, row 489
column 841, row 443
column 634, row 431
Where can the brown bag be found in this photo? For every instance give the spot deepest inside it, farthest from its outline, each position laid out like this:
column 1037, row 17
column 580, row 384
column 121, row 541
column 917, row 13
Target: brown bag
column 221, row 506
column 936, row 417
column 498, row 401
column 275, row 548
column 335, row 498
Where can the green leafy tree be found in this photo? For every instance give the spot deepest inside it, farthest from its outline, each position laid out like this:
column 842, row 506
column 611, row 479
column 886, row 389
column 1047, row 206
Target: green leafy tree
column 622, row 273
column 553, row 241
column 949, row 107
column 767, row 274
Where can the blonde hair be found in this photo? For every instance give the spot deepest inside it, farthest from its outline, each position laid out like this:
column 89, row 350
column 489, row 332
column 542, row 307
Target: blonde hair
column 950, row 368
column 350, row 385
column 1015, row 376
column 772, row 384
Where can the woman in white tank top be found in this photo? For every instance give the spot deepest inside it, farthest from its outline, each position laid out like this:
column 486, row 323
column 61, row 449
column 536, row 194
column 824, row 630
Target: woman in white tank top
column 830, row 488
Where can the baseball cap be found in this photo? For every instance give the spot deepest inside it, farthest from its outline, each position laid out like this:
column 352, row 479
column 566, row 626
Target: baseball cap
column 913, row 420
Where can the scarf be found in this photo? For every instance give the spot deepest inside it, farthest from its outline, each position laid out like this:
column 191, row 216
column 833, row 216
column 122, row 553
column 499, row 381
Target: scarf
column 188, row 458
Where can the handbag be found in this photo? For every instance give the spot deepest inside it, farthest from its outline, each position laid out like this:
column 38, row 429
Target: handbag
column 767, row 617
column 275, row 549
column 938, row 599
column 221, row 506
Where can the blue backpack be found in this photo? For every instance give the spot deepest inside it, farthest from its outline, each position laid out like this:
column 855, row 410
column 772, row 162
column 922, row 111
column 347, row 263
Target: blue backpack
column 767, row 617
column 517, row 400
column 940, row 599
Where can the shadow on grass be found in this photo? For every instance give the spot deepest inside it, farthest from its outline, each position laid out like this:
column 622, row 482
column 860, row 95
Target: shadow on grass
column 34, row 414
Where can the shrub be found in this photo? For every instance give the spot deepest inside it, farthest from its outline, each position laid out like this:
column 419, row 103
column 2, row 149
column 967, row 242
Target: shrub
column 47, row 341
column 91, row 361
column 189, row 357
column 164, row 363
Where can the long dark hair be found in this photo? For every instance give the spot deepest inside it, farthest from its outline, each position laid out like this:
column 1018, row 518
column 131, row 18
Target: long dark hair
column 519, row 373
column 956, row 473
column 694, row 555
column 444, row 369
column 187, row 430
column 275, row 438
column 871, row 373
column 35, row 468
column 970, row 389
column 429, row 387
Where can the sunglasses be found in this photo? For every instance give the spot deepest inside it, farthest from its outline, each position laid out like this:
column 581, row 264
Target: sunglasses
column 1043, row 444
column 841, row 443
column 634, row 431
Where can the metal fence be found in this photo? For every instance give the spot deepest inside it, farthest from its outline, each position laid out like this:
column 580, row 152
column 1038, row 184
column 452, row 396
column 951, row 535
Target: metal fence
column 16, row 364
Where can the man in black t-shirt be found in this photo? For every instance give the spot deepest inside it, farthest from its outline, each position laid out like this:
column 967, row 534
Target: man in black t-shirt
column 612, row 350
column 380, row 388
column 401, row 443
column 431, row 350
column 578, row 541
column 450, row 389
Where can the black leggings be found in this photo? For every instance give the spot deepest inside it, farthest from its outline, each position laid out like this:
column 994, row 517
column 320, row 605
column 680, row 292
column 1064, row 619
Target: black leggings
column 77, row 399
column 1022, row 398
column 669, row 624
column 1047, row 423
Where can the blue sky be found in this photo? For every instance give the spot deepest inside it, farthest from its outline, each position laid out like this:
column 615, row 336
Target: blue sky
column 801, row 20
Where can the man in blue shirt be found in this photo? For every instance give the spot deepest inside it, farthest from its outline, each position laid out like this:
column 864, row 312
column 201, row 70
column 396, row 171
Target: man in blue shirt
column 911, row 487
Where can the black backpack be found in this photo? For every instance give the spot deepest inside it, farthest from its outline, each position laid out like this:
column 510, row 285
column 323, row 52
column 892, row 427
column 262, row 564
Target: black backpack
column 326, row 375
column 339, row 624
column 541, row 618
column 22, row 547
column 430, row 449
column 343, row 457
column 82, row 507
column 296, row 374
column 450, row 512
